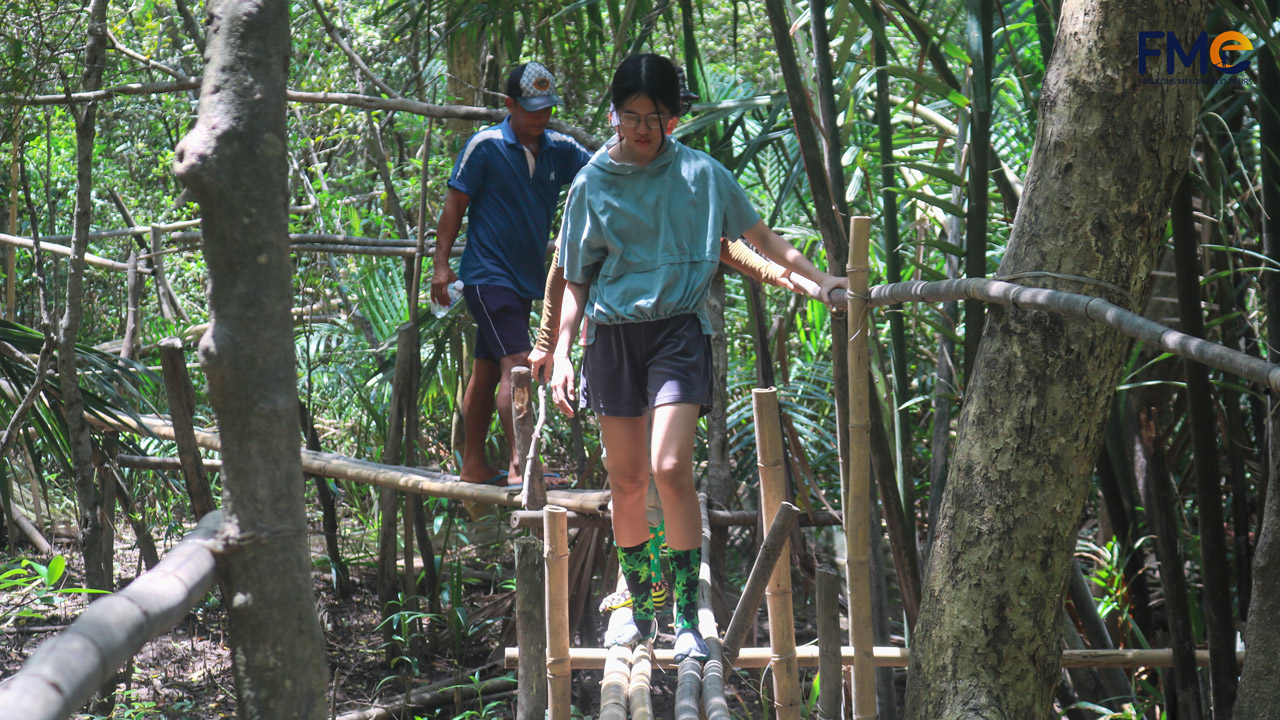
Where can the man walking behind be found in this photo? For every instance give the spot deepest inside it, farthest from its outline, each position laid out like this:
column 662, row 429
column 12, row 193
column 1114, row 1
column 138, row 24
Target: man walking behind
column 506, row 180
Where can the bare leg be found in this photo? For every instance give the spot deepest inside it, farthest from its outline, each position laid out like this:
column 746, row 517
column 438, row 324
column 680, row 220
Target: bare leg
column 674, row 429
column 477, row 413
column 627, row 461
column 504, row 411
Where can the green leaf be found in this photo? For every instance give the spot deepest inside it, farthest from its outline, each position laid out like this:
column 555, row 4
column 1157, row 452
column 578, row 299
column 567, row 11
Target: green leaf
column 945, row 205
column 933, row 84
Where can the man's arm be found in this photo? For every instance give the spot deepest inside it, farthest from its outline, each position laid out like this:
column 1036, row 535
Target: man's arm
column 455, row 208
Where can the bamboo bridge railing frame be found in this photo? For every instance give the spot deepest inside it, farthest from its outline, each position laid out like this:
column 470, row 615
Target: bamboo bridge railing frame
column 64, row 688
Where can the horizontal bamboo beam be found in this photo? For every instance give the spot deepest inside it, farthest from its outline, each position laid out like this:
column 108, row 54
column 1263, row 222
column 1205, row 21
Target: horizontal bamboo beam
column 67, row 669
column 146, row 462
column 89, row 258
column 884, row 656
column 1000, row 292
column 414, row 480
column 716, row 518
column 370, row 102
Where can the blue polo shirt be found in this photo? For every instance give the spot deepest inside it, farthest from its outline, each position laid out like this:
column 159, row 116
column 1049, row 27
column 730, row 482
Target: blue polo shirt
column 509, row 216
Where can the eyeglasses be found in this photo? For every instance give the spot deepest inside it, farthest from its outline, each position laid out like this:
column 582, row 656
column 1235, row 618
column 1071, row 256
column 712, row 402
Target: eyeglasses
column 653, row 121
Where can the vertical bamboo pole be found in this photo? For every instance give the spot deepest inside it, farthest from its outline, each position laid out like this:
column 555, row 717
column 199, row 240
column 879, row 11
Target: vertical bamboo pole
column 830, row 672
column 531, row 638
column 11, row 253
column 556, row 536
column 782, row 631
column 857, row 488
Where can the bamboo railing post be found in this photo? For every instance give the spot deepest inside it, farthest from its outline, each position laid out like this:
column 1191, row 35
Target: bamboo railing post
column 782, row 630
column 830, row 674
column 775, row 540
column 531, row 639
column 559, row 673
column 523, row 418
column 857, row 487
column 182, row 405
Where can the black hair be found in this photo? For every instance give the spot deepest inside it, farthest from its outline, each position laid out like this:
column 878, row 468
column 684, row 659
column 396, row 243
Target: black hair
column 647, row 74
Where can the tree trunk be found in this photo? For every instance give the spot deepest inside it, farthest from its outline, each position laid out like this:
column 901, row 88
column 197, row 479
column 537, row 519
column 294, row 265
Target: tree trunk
column 1107, row 159
column 1260, row 680
column 97, row 553
column 234, row 162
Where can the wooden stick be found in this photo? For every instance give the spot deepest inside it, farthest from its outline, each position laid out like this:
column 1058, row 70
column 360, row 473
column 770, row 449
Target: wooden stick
column 522, row 420
column 857, row 488
column 641, row 676
column 431, row 696
column 530, row 519
column 775, row 540
column 129, row 345
column 883, row 656
column 613, row 688
column 531, row 618
column 559, row 671
column 56, row 681
column 782, row 629
column 830, row 675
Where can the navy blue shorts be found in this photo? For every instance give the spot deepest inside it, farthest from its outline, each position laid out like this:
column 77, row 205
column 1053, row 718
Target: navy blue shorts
column 634, row 367
column 502, row 321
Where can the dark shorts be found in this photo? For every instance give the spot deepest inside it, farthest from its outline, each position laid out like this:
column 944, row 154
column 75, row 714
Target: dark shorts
column 632, row 368
column 502, row 321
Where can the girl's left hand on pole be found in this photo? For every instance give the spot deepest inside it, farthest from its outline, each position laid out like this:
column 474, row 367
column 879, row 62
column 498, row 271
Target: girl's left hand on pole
column 562, row 385
column 829, row 283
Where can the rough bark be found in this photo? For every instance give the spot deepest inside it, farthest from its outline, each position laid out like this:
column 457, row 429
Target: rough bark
column 234, row 162
column 1026, row 445
column 97, row 555
column 1260, row 680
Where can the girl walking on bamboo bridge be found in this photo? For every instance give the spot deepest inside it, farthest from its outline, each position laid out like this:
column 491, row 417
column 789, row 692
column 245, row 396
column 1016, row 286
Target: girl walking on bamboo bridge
column 640, row 244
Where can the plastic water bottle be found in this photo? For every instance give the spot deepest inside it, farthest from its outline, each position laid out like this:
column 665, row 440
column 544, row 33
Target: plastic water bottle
column 455, row 291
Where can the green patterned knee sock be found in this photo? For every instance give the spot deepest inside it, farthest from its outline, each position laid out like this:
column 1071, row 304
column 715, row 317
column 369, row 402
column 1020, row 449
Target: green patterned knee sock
column 657, row 538
column 634, row 563
column 684, row 584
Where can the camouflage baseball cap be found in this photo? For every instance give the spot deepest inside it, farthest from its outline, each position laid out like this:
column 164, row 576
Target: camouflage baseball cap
column 533, row 85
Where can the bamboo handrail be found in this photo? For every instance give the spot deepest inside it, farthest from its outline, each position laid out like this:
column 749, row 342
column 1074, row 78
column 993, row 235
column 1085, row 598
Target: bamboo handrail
column 415, row 480
column 89, row 258
column 885, row 656
column 1001, row 292
column 67, row 669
